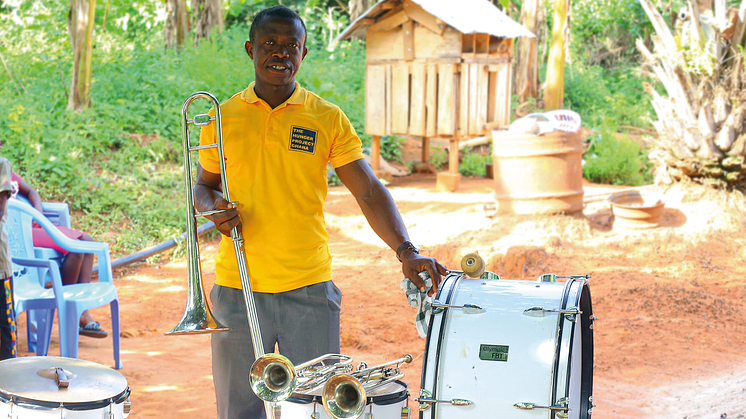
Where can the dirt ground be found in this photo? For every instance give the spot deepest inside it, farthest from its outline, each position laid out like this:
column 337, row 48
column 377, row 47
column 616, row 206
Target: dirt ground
column 671, row 301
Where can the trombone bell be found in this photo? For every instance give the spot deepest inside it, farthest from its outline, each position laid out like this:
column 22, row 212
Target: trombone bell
column 197, row 316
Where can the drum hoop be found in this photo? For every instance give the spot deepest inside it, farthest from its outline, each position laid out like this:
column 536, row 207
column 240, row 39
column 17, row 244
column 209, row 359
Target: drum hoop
column 586, row 342
column 560, row 330
column 391, row 398
column 380, row 400
column 586, row 359
column 558, row 340
column 439, row 347
column 29, row 403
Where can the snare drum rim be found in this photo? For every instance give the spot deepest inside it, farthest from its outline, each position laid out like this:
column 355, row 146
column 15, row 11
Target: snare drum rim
column 28, row 403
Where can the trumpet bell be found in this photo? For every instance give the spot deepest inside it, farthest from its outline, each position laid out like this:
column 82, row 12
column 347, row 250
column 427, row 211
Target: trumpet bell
column 272, row 377
column 343, row 397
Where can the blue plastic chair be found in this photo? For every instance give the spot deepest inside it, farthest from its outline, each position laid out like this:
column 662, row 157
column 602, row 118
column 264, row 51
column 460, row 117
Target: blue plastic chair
column 59, row 214
column 70, row 300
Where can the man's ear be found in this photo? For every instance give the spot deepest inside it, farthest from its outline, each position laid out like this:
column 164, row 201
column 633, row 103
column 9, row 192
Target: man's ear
column 250, row 49
column 305, row 51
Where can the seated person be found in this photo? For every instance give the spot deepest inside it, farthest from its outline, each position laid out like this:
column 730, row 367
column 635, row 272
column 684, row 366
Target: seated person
column 76, row 268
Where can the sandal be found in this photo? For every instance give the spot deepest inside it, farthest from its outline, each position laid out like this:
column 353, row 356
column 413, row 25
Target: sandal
column 93, row 330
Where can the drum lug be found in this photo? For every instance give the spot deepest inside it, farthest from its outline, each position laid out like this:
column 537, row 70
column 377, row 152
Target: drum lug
column 553, row 277
column 540, row 312
column 426, row 401
column 127, row 406
column 438, row 307
column 405, row 412
column 547, row 278
column 489, row 275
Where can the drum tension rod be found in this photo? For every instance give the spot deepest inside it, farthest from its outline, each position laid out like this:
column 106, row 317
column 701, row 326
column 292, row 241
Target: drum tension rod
column 540, row 311
column 532, row 406
column 426, row 401
column 468, row 308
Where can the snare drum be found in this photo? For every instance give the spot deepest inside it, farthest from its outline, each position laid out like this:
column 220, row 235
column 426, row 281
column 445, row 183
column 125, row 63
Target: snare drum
column 53, row 387
column 385, row 402
column 509, row 349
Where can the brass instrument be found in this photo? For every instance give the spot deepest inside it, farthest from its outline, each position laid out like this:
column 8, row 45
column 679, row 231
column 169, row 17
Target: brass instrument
column 197, row 316
column 274, row 378
column 345, row 395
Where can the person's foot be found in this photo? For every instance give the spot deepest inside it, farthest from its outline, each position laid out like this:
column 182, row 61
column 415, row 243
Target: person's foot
column 93, row 330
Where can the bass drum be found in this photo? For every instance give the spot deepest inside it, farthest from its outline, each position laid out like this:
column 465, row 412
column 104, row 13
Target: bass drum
column 52, row 387
column 385, row 402
column 509, row 349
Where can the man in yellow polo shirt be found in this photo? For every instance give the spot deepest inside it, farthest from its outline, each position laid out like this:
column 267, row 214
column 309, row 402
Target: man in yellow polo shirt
column 277, row 140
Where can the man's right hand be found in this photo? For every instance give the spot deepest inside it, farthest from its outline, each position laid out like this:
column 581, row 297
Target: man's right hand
column 225, row 221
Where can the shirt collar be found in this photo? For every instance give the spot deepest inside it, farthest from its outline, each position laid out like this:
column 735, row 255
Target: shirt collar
column 297, row 98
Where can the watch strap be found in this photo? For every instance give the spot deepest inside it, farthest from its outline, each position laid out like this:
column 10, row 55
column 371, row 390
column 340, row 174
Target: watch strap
column 404, row 246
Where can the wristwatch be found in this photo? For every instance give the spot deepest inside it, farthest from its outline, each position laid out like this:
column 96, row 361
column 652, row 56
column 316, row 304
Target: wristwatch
column 404, row 246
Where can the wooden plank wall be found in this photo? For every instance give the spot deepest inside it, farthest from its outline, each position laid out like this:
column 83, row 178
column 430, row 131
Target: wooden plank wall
column 375, row 100
column 432, row 99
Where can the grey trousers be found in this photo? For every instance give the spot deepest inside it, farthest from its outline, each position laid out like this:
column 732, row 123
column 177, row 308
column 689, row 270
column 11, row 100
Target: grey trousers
column 304, row 323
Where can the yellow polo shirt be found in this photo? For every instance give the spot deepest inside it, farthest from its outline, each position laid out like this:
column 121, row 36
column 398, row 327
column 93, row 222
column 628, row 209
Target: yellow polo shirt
column 276, row 162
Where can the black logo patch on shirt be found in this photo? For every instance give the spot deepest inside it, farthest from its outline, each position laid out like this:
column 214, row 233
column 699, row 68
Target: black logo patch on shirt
column 303, row 139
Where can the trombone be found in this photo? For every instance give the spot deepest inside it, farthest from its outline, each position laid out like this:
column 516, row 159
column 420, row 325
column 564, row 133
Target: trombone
column 346, row 395
column 197, row 316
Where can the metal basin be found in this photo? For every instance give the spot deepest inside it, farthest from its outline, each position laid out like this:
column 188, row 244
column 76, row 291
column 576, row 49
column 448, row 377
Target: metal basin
column 636, row 209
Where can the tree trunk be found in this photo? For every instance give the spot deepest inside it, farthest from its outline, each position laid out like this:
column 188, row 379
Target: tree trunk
column 177, row 23
column 80, row 25
column 554, row 95
column 209, row 15
column 527, row 52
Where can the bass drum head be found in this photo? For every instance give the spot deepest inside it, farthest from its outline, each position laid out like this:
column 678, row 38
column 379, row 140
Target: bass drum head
column 529, row 347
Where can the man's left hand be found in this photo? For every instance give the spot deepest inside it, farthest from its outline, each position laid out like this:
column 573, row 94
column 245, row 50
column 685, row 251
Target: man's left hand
column 413, row 264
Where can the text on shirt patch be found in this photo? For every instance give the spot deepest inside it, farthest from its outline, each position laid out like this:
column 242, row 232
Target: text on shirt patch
column 303, row 139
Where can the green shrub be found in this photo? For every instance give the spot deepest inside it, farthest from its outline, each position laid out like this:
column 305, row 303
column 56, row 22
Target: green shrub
column 473, row 164
column 391, row 146
column 599, row 95
column 615, row 160
column 438, row 156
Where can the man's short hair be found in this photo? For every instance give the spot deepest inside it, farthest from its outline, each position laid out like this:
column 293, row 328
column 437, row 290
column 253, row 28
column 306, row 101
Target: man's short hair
column 280, row 11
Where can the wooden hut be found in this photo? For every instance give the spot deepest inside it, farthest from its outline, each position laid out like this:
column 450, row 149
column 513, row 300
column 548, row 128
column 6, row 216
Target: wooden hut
column 436, row 68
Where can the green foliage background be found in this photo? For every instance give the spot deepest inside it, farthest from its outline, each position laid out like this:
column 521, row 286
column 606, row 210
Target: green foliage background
column 118, row 164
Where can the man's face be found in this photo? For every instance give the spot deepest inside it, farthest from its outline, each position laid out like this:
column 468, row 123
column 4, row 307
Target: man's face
column 277, row 51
